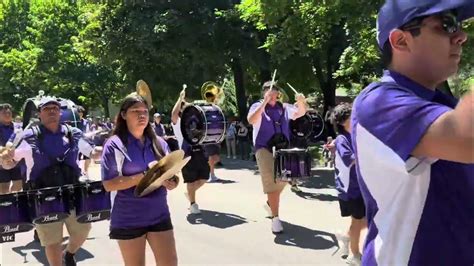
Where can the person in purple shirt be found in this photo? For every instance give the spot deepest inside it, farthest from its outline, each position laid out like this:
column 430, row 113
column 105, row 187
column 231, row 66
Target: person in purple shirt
column 14, row 175
column 158, row 126
column 414, row 144
column 270, row 118
column 50, row 151
column 351, row 202
column 135, row 221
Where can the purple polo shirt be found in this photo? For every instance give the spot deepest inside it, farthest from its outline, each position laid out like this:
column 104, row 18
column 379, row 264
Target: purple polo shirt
column 159, row 129
column 264, row 129
column 346, row 177
column 133, row 157
column 420, row 211
column 52, row 146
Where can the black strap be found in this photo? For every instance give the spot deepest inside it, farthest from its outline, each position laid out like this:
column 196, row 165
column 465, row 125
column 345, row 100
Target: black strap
column 39, row 136
column 279, row 122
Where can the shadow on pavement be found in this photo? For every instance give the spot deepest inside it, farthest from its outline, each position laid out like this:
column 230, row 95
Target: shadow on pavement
column 322, row 178
column 38, row 252
column 216, row 219
column 236, row 164
column 302, row 237
column 316, row 196
column 222, row 181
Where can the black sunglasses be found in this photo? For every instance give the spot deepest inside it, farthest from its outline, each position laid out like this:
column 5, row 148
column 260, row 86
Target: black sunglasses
column 449, row 22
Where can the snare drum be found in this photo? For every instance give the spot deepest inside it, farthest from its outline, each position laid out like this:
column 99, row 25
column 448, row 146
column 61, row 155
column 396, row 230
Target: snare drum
column 292, row 164
column 310, row 127
column 203, row 124
column 49, row 205
column 92, row 202
column 14, row 216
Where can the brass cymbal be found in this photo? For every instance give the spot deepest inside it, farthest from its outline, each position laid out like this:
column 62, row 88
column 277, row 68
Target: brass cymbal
column 165, row 169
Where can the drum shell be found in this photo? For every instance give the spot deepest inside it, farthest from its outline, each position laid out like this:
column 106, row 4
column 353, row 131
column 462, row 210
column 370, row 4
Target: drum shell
column 92, row 202
column 203, row 124
column 49, row 205
column 309, row 127
column 14, row 217
column 292, row 164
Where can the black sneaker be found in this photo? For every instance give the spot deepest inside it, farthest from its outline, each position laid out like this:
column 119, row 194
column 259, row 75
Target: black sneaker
column 69, row 259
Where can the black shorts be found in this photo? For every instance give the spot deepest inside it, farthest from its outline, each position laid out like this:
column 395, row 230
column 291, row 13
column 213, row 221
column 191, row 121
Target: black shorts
column 352, row 207
column 83, row 157
column 212, row 149
column 132, row 233
column 196, row 169
column 10, row 175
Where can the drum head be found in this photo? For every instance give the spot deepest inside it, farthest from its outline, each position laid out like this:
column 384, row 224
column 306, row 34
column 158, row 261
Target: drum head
column 193, row 124
column 301, row 127
column 317, row 123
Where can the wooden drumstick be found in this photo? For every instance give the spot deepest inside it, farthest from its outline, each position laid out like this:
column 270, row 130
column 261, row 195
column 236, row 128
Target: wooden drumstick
column 273, row 79
column 291, row 87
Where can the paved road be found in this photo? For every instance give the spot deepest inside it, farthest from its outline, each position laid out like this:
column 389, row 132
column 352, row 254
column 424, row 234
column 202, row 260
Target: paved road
column 232, row 229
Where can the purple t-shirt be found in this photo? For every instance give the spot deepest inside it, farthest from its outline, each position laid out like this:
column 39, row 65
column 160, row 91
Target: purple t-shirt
column 346, row 177
column 265, row 128
column 129, row 211
column 420, row 211
column 51, row 146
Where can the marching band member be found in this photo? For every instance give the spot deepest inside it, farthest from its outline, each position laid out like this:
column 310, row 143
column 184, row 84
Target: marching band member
column 196, row 172
column 414, row 144
column 351, row 202
column 14, row 175
column 270, row 121
column 137, row 220
column 52, row 150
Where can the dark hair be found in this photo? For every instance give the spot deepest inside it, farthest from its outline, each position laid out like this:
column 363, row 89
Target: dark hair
column 5, row 106
column 121, row 129
column 339, row 115
column 411, row 26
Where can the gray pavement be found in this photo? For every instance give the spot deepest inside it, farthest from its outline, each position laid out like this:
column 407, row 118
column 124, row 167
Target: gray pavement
column 232, row 229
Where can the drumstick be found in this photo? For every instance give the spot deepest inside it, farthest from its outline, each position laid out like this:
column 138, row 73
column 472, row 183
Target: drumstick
column 223, row 84
column 291, row 87
column 273, row 79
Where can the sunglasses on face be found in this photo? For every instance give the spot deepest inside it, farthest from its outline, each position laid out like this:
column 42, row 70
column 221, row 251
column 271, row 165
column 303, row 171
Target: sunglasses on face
column 449, row 23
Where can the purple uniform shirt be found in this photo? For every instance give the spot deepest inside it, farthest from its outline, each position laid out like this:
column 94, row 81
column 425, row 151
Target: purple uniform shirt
column 420, row 211
column 7, row 133
column 159, row 129
column 346, row 177
column 51, row 146
column 129, row 211
column 264, row 129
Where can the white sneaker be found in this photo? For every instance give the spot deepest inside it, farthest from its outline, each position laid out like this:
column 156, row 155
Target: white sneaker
column 212, row 178
column 228, row 157
column 344, row 245
column 354, row 260
column 235, row 157
column 194, row 209
column 277, row 227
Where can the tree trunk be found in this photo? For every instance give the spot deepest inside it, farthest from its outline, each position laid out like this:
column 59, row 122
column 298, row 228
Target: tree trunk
column 105, row 104
column 241, row 98
column 328, row 90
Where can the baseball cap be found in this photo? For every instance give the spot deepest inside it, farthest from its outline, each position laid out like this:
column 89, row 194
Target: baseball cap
column 48, row 100
column 268, row 84
column 395, row 13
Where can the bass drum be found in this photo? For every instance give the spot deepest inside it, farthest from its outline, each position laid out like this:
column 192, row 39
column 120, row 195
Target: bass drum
column 203, row 124
column 69, row 112
column 309, row 127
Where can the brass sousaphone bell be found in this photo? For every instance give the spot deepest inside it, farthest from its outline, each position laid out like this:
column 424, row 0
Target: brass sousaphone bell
column 212, row 93
column 143, row 90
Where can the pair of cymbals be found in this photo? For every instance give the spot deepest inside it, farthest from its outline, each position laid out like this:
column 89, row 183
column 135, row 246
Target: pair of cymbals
column 164, row 169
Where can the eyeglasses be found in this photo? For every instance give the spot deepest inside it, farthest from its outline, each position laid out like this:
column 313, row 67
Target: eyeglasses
column 449, row 23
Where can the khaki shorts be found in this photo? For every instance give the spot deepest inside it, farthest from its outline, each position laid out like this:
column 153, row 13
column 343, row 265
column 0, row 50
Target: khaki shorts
column 50, row 234
column 265, row 162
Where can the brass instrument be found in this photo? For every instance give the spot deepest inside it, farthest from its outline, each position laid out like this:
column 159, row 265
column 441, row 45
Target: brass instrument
column 143, row 90
column 212, row 93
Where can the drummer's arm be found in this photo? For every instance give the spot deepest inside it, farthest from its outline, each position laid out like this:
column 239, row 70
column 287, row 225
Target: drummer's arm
column 255, row 113
column 122, row 182
column 301, row 108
